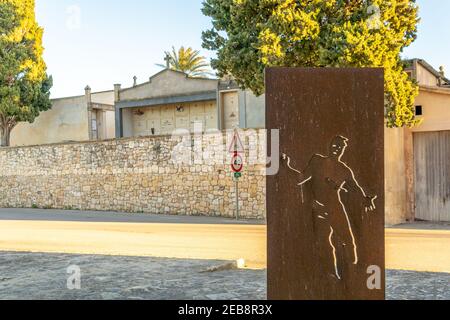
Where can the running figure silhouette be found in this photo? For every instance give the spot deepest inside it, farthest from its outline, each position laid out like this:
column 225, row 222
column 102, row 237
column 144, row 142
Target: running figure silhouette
column 330, row 177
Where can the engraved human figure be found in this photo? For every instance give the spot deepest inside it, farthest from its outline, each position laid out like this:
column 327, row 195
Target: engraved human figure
column 329, row 178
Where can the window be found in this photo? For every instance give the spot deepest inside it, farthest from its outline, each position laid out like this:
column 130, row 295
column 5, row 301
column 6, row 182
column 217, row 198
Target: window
column 94, row 124
column 419, row 111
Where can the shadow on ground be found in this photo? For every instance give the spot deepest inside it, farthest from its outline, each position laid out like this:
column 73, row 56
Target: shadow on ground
column 44, row 277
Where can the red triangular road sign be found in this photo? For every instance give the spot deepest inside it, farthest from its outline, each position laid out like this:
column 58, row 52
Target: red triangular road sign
column 236, row 145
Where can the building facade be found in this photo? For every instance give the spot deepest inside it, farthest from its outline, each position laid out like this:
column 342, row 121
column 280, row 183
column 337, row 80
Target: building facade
column 172, row 101
column 81, row 118
column 417, row 159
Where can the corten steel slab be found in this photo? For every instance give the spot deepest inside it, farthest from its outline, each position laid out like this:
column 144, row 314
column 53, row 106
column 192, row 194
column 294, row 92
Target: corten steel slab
column 325, row 207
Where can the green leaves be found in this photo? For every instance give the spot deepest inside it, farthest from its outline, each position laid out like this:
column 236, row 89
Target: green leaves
column 189, row 61
column 24, row 84
column 250, row 35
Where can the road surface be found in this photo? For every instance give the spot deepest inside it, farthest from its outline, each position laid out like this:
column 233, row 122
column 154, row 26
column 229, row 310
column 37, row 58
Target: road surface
column 76, row 232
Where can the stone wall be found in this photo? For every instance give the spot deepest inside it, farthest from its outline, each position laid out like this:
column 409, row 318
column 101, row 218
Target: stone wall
column 133, row 175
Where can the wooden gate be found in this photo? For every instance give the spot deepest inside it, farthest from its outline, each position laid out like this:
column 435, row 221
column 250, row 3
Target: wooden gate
column 432, row 175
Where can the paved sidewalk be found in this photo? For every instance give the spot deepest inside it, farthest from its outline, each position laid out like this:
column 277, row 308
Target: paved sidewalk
column 44, row 276
column 423, row 225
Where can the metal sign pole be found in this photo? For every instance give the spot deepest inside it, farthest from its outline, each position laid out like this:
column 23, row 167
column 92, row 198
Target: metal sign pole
column 237, row 197
column 237, row 165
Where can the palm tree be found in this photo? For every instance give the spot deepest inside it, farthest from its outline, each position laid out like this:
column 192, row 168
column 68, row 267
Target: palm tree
column 188, row 61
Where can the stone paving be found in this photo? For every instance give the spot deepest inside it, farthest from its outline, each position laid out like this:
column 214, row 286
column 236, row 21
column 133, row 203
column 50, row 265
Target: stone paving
column 44, row 276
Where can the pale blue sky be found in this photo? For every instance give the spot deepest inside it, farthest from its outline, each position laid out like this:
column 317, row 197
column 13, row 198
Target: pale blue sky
column 102, row 42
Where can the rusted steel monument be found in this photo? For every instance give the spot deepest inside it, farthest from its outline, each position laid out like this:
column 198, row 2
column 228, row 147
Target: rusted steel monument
column 325, row 206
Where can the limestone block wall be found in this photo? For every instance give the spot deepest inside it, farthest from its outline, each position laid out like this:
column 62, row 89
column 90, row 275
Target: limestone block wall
column 133, row 175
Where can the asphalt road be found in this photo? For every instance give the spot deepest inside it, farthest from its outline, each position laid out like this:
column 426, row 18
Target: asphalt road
column 77, row 232
column 96, row 216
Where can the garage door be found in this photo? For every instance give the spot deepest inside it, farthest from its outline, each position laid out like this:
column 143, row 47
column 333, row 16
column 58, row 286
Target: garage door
column 432, row 175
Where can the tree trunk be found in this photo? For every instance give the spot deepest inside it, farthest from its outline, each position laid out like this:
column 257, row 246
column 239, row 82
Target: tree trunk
column 5, row 135
column 6, row 126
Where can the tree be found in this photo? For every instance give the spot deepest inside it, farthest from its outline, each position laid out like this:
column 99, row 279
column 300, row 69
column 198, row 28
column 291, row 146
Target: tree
column 24, row 83
column 188, row 61
column 250, row 35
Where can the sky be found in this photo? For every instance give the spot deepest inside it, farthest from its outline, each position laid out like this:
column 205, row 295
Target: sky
column 102, row 42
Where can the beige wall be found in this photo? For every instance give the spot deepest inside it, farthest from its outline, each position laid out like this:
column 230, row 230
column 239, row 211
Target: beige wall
column 399, row 146
column 249, row 109
column 395, row 173
column 436, row 110
column 165, row 119
column 105, row 123
column 425, row 77
column 105, row 97
column 108, row 118
column 255, row 110
column 436, row 117
column 66, row 121
column 230, row 112
column 127, row 123
column 168, row 83
column 110, row 124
